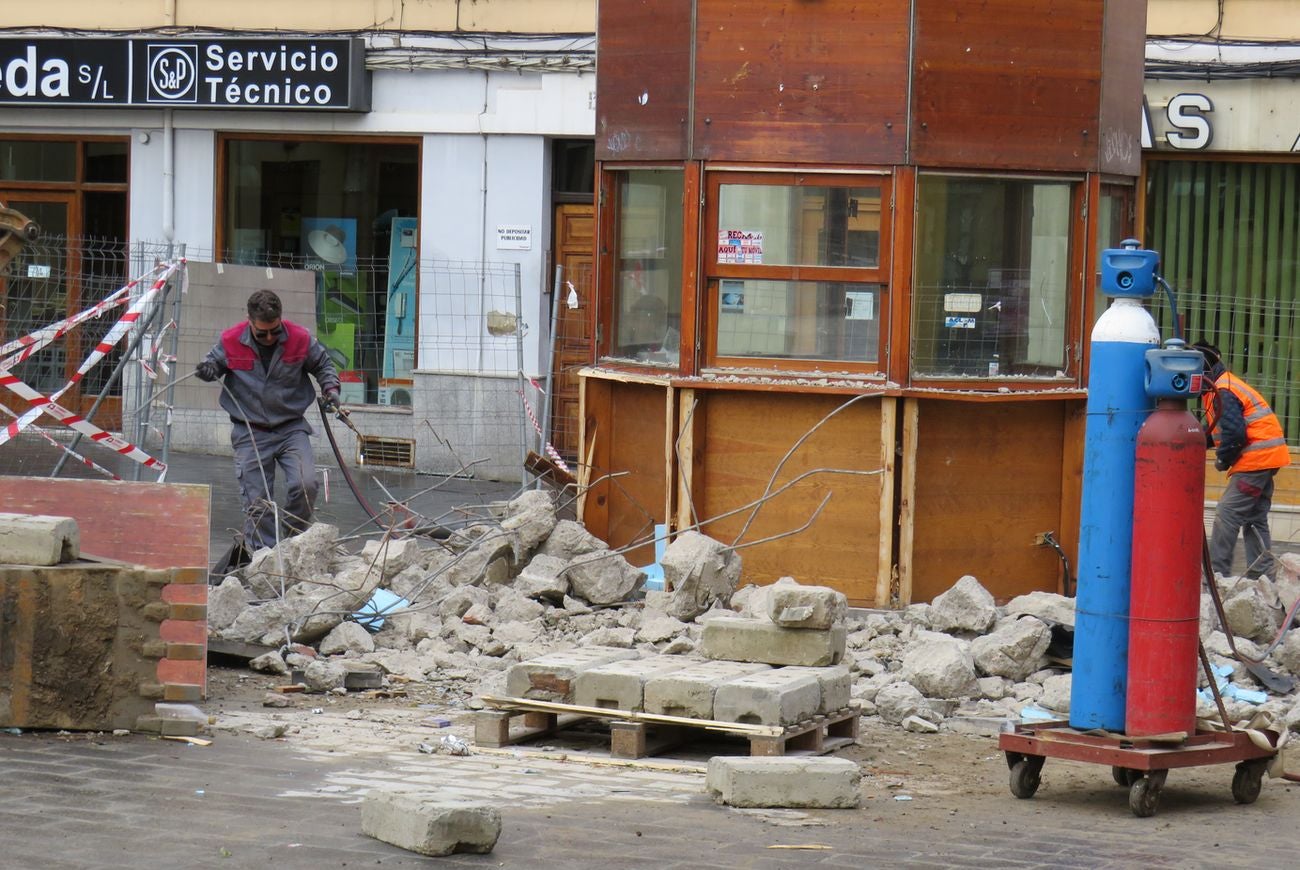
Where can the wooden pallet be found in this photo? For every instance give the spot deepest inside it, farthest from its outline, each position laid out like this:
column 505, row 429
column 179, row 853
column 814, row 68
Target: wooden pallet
column 638, row 735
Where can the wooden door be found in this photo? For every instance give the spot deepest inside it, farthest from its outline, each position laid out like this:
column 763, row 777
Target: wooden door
column 574, row 253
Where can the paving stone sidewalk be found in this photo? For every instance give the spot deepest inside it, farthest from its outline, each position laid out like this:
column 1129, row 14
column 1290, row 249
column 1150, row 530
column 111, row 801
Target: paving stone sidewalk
column 117, row 802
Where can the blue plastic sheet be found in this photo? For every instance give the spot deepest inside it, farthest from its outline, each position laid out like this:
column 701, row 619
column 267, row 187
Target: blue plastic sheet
column 370, row 615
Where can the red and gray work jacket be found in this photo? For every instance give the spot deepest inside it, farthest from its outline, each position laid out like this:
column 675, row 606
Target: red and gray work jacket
column 274, row 395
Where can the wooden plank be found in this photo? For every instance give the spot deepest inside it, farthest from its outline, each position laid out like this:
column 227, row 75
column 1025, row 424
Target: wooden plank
column 670, row 453
column 831, row 88
column 690, row 417
column 988, row 479
column 159, row 525
column 635, row 501
column 1123, row 48
column 1015, row 85
column 907, row 500
column 898, row 299
column 1067, row 532
column 748, row 434
column 630, row 715
column 643, row 73
column 885, row 557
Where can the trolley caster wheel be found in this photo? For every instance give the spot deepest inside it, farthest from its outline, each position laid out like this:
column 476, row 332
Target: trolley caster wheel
column 1125, row 776
column 1144, row 793
column 1248, row 780
column 1026, row 776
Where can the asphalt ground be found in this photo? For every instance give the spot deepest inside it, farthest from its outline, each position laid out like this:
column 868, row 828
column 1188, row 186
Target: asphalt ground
column 75, row 802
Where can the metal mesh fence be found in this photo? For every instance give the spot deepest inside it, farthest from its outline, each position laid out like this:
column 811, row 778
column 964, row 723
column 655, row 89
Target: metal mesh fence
column 468, row 415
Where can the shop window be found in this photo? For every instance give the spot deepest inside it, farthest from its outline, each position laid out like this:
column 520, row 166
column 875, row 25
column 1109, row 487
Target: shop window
column 346, row 210
column 647, row 297
column 796, row 272
column 38, row 160
column 992, row 278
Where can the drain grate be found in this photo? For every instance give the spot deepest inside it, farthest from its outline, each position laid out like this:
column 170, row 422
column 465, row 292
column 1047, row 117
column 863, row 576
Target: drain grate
column 389, row 452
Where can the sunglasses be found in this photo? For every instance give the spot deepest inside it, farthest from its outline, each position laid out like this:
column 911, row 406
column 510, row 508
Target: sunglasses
column 273, row 332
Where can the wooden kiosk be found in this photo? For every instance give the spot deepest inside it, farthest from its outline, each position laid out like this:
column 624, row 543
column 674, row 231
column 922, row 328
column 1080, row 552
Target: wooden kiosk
column 846, row 260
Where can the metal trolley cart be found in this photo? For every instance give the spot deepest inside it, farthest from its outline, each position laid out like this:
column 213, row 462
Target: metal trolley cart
column 1139, row 764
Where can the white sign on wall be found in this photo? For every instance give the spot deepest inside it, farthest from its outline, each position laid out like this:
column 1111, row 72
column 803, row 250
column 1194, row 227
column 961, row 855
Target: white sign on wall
column 1224, row 115
column 514, row 237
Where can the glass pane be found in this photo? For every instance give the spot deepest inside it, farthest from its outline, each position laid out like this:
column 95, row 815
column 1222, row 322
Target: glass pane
column 106, row 162
column 648, row 280
column 347, row 211
column 777, row 225
column 32, row 160
column 992, row 278
column 799, row 320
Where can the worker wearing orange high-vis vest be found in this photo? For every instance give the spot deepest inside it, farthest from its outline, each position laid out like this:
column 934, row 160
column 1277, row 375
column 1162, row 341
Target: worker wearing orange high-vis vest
column 1250, row 445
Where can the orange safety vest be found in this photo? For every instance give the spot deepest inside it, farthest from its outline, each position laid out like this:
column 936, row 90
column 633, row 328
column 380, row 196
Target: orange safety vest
column 1265, row 440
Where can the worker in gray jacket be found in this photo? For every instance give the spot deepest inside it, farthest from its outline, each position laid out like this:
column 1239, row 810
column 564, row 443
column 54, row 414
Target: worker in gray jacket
column 265, row 363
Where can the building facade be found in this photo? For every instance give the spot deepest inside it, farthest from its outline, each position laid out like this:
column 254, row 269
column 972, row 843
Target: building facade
column 414, row 159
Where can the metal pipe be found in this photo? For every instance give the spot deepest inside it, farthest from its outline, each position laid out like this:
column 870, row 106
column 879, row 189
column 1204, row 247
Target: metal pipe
column 550, row 366
column 173, row 351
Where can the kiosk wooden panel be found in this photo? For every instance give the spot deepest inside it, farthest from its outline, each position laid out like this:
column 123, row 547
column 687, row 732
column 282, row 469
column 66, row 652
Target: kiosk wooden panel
column 625, row 509
column 774, row 83
column 988, row 480
column 644, row 75
column 1004, row 85
column 747, row 435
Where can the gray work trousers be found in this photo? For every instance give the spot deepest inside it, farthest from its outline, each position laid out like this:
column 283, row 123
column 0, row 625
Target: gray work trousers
column 257, row 454
column 1243, row 508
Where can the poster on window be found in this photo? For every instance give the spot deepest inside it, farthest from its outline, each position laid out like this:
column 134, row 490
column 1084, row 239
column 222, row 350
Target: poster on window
column 740, row 247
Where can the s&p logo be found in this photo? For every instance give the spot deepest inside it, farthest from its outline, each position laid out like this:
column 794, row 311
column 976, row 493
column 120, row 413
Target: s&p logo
column 172, row 75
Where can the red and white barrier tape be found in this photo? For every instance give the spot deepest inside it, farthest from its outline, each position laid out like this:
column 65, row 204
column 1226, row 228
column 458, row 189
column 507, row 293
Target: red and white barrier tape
column 546, row 445
column 152, row 359
column 114, row 335
column 79, row 423
column 65, row 448
column 33, row 342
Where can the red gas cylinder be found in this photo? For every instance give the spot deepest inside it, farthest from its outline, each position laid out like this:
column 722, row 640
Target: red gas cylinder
column 1165, row 595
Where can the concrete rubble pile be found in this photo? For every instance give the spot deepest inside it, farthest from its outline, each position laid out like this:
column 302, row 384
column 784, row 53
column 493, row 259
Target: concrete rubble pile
column 496, row 595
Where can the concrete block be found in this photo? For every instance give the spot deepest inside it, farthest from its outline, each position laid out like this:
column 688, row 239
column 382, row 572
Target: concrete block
column 836, row 686
column 775, row 697
column 753, row 640
column 794, row 606
column 621, row 685
column 70, row 647
column 824, row 783
column 36, row 539
column 689, row 692
column 551, row 677
column 428, row 826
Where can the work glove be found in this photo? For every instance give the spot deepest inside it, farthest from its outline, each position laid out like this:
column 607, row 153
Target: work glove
column 1220, row 465
column 207, row 371
column 330, row 399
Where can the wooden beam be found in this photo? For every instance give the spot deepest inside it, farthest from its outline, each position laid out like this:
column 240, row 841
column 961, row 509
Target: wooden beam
column 670, row 459
column 685, row 459
column 907, row 498
column 505, row 702
column 885, row 524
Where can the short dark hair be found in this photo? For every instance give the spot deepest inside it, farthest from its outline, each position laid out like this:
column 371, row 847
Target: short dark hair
column 264, row 306
column 1209, row 351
